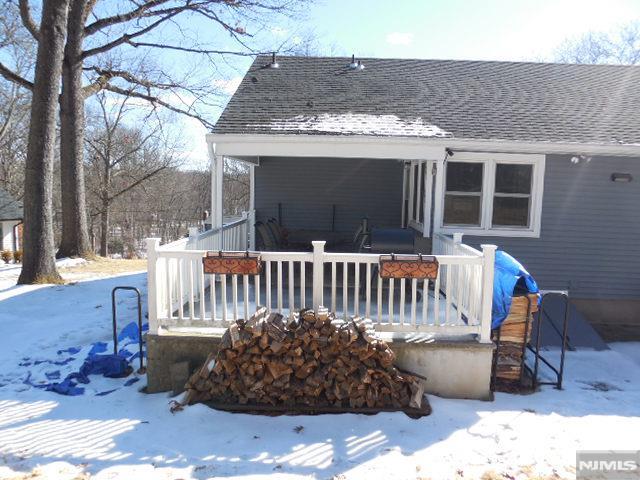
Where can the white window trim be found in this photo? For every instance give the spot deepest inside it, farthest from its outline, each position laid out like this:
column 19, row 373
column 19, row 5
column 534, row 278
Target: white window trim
column 488, row 187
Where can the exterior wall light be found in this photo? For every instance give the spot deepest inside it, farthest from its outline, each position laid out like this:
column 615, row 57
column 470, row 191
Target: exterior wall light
column 621, row 177
column 578, row 159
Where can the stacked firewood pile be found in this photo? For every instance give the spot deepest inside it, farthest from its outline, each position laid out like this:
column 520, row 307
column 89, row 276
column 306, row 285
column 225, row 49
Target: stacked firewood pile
column 514, row 334
column 310, row 360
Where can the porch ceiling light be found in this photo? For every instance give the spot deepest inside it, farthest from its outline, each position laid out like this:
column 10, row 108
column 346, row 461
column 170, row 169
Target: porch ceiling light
column 578, row 159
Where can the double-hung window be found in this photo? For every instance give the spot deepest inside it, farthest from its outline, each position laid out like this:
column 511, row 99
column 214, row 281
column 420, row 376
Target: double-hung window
column 491, row 194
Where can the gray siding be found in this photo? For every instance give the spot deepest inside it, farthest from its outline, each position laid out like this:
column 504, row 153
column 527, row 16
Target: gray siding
column 308, row 187
column 590, row 232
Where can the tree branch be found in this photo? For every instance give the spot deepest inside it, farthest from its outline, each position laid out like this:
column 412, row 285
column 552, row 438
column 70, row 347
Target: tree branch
column 129, row 77
column 126, row 37
column 195, row 50
column 27, row 19
column 14, row 77
column 121, row 18
column 138, row 182
column 157, row 101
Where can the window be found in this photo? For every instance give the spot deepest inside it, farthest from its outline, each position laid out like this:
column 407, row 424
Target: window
column 491, row 194
column 512, row 197
column 463, row 194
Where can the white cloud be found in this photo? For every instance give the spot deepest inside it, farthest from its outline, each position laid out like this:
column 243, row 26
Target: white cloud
column 399, row 38
column 228, row 86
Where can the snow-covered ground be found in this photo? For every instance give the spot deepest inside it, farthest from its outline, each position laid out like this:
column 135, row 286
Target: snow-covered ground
column 9, row 272
column 127, row 434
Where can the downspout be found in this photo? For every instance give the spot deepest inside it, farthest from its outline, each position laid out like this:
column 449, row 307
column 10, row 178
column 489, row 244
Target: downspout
column 15, row 236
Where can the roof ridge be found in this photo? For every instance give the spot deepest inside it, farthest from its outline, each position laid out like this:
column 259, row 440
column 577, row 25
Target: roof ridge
column 413, row 59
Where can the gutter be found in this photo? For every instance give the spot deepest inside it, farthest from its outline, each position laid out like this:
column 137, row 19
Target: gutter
column 365, row 146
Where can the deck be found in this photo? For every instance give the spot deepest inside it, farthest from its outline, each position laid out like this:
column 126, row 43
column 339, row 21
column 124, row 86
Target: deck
column 456, row 302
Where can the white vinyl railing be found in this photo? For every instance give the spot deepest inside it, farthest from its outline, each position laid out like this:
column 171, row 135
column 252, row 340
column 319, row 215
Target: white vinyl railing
column 457, row 302
column 235, row 237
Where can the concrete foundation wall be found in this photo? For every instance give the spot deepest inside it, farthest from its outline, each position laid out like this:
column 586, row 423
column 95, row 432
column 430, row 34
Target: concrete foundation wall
column 453, row 369
column 614, row 320
column 163, row 351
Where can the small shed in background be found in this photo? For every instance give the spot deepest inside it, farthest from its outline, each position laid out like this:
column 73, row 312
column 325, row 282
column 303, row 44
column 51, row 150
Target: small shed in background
column 11, row 214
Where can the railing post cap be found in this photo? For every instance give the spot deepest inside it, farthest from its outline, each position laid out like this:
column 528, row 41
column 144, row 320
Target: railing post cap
column 318, row 243
column 153, row 240
column 489, row 247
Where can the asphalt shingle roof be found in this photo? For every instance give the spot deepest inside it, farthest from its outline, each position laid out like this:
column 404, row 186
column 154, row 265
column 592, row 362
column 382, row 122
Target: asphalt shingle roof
column 424, row 98
column 10, row 209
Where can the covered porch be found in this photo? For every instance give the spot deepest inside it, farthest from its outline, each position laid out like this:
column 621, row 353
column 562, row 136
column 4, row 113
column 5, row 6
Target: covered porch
column 338, row 192
column 439, row 327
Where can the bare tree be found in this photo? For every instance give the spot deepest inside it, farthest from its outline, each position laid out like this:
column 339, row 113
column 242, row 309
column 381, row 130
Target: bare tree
column 122, row 157
column 99, row 46
column 618, row 47
column 15, row 100
column 38, row 260
column 235, row 187
column 308, row 43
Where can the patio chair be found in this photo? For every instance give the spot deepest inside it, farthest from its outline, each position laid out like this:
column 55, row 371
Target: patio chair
column 279, row 233
column 265, row 240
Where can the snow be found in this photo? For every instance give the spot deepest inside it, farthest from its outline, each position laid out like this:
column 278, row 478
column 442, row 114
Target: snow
column 9, row 272
column 356, row 124
column 128, row 434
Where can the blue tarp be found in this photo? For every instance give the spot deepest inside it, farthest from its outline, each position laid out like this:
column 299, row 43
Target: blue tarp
column 510, row 279
column 95, row 363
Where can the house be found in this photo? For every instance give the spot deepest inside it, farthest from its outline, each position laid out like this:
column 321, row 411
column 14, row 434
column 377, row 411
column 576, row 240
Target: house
column 10, row 219
column 452, row 158
column 544, row 159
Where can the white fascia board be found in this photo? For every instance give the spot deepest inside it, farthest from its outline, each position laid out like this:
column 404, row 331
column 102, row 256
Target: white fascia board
column 402, row 148
column 324, row 146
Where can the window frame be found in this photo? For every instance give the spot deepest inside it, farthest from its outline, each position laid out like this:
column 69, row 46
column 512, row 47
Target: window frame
column 461, row 193
column 489, row 161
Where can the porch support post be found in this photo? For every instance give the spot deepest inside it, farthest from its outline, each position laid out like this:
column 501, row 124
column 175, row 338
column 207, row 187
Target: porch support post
column 488, row 267
column 318, row 273
column 217, row 173
column 152, row 283
column 412, row 200
column 405, row 173
column 252, row 208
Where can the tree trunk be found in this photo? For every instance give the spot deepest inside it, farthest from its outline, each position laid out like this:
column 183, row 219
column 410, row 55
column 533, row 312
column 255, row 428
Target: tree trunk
column 38, row 263
column 75, row 234
column 104, row 227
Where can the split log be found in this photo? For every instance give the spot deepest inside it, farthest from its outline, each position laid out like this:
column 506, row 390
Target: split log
column 515, row 333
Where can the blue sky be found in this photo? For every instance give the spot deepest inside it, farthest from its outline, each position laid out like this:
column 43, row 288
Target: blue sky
column 454, row 29
column 463, row 29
